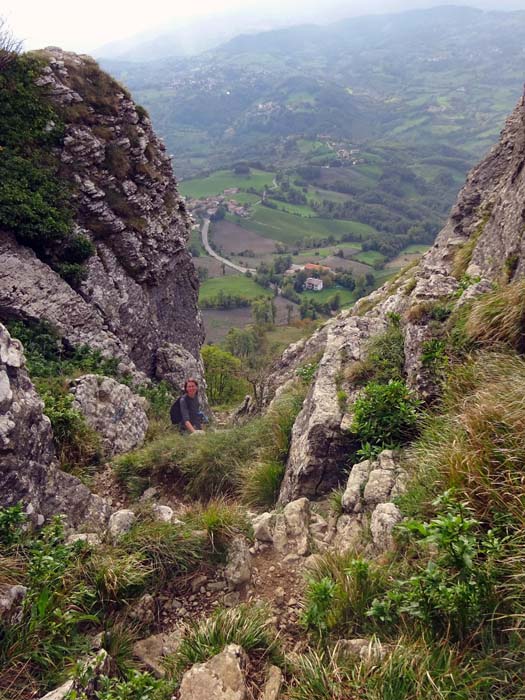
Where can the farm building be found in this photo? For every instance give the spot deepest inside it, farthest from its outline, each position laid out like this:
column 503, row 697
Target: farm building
column 313, row 284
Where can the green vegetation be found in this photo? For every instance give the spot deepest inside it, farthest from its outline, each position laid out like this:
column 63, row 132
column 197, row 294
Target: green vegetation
column 72, row 588
column 384, row 357
column 238, row 286
column 34, row 196
column 219, row 462
column 290, row 229
column 385, row 415
column 226, row 179
column 224, row 383
column 52, row 365
column 247, row 626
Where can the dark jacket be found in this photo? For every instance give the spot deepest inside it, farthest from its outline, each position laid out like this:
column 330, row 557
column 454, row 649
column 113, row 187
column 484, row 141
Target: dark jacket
column 190, row 410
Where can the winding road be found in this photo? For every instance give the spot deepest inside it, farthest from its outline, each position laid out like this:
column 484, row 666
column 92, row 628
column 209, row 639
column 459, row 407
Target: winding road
column 210, row 251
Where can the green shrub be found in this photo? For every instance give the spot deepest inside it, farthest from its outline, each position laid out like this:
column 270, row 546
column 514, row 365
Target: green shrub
column 12, row 520
column 476, row 444
column 455, row 593
column 385, row 414
column 76, row 443
column 341, row 588
column 220, row 519
column 222, row 372
column 137, row 686
column 318, row 614
column 307, row 372
column 56, row 606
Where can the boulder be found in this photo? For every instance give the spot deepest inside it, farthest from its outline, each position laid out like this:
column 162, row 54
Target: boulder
column 112, row 410
column 262, row 527
column 151, row 651
column 144, row 611
column 120, row 522
column 220, row 678
column 291, row 532
column 238, row 570
column 382, row 523
column 11, row 600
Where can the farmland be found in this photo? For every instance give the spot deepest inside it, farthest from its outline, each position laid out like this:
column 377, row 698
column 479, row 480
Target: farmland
column 221, row 180
column 232, row 284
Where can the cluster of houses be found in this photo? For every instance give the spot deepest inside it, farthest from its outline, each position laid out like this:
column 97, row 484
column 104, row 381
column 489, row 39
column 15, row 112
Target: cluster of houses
column 210, row 205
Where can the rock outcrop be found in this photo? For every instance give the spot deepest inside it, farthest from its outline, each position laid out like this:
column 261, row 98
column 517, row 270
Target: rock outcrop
column 113, row 411
column 27, row 471
column 481, row 243
column 220, row 678
column 141, row 288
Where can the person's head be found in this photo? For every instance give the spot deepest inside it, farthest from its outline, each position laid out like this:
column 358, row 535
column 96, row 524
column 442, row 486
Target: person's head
column 191, row 387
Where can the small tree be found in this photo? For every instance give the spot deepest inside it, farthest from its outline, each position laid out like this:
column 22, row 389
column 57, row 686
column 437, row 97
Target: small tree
column 9, row 46
column 222, row 375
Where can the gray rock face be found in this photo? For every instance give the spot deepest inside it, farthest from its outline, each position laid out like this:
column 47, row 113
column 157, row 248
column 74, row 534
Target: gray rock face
column 319, row 447
column 151, row 651
column 273, row 684
column 291, row 530
column 488, row 216
column 113, row 410
column 370, row 490
column 175, row 364
column 10, row 603
column 141, row 289
column 27, row 472
column 220, row 678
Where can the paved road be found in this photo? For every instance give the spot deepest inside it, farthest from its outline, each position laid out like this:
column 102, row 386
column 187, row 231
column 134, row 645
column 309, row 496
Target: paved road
column 210, row 251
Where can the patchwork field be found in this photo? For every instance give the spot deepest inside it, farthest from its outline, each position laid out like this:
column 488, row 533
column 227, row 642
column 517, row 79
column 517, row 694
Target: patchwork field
column 221, row 180
column 289, row 228
column 232, row 238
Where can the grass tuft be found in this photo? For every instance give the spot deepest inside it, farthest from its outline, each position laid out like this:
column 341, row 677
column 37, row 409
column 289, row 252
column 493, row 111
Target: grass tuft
column 249, row 627
column 499, row 317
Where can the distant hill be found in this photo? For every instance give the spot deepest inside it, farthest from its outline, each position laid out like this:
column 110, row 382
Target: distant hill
column 444, row 76
column 390, row 111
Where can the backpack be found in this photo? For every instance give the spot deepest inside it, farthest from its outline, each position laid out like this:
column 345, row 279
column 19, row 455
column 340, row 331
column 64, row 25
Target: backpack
column 175, row 413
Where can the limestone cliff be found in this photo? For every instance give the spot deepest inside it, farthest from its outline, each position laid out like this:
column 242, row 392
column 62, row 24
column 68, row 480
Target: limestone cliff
column 481, row 243
column 140, row 292
column 27, row 470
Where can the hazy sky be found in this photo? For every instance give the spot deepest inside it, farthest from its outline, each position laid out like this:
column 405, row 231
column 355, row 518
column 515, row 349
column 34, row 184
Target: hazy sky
column 83, row 26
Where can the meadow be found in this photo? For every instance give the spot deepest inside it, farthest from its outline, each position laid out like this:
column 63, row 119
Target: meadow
column 221, row 180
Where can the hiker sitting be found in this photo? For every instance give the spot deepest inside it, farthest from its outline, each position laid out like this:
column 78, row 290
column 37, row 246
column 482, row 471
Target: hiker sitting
column 189, row 415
